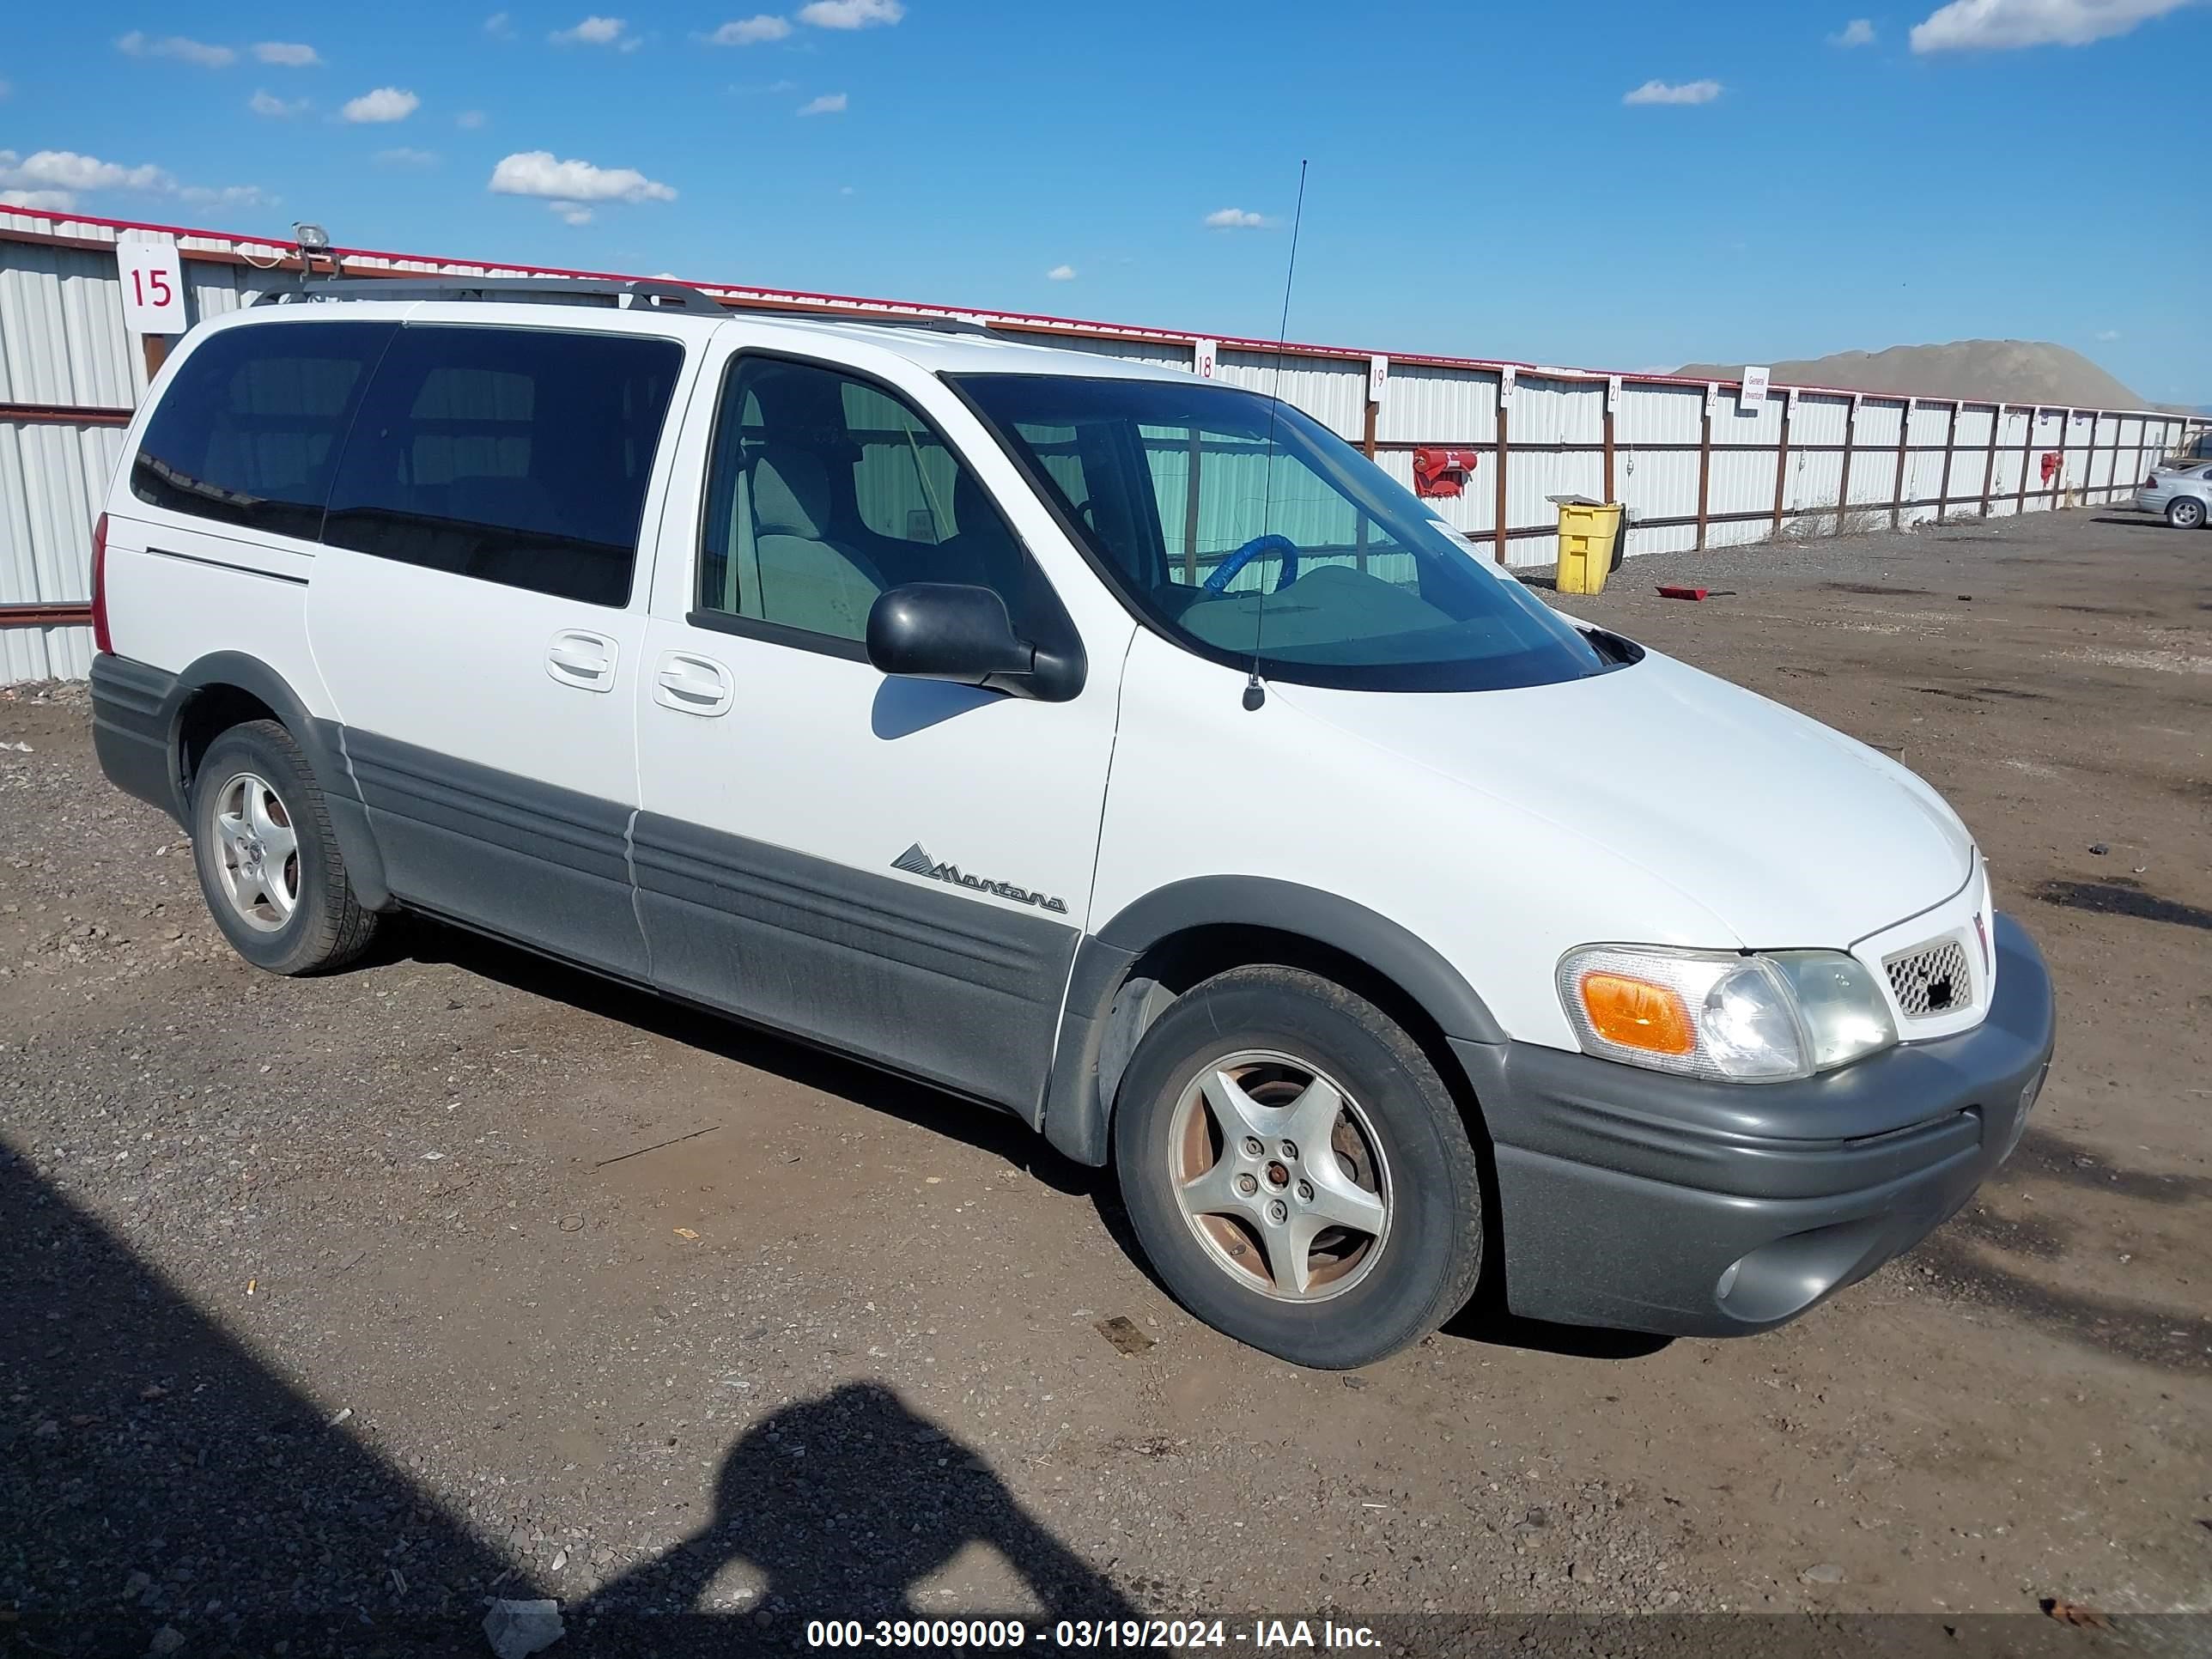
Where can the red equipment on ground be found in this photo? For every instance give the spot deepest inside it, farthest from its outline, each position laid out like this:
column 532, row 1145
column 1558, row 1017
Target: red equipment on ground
column 1442, row 471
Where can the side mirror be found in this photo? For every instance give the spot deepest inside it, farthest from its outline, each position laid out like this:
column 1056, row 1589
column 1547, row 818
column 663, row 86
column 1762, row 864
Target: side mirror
column 950, row 631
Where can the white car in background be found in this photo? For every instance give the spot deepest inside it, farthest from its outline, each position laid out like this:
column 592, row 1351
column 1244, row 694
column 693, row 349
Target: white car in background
column 2182, row 496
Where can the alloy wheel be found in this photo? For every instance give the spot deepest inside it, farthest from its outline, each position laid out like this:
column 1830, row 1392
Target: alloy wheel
column 257, row 853
column 1280, row 1175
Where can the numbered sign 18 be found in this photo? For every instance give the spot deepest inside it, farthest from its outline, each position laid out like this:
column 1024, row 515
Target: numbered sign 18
column 153, row 287
column 1202, row 356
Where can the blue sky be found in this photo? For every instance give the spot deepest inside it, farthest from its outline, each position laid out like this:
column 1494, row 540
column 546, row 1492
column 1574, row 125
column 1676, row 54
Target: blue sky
column 1608, row 182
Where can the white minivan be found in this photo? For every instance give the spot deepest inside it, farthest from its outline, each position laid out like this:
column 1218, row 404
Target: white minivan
column 1106, row 745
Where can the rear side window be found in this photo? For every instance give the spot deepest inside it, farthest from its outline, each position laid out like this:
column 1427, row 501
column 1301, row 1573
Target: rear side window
column 517, row 456
column 249, row 430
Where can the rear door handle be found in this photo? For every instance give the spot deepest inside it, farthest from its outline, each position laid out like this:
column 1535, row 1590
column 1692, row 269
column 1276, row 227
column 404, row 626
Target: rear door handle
column 577, row 657
column 692, row 685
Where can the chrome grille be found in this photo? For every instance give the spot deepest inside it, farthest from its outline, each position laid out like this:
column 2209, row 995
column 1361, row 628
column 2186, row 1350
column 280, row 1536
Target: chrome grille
column 1930, row 979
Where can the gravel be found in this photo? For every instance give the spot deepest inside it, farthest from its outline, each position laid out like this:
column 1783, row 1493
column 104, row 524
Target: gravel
column 834, row 1348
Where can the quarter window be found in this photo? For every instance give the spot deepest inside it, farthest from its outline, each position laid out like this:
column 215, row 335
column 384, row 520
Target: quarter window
column 825, row 491
column 249, row 431
column 516, row 456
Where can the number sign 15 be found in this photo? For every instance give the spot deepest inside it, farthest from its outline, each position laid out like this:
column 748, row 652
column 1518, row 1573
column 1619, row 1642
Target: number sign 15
column 153, row 287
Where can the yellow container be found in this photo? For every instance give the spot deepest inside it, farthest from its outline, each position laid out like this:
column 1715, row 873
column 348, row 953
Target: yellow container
column 1588, row 532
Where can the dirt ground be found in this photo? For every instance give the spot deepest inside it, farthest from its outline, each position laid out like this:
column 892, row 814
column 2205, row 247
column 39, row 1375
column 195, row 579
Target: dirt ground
column 460, row 1274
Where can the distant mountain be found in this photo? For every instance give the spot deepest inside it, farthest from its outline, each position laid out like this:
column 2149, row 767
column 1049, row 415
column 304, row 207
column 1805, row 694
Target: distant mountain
column 2017, row 371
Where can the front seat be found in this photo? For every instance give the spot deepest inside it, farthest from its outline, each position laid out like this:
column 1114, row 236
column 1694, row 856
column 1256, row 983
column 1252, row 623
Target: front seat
column 806, row 580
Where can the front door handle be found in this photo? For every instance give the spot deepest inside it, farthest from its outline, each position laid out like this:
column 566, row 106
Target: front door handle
column 692, row 685
column 579, row 658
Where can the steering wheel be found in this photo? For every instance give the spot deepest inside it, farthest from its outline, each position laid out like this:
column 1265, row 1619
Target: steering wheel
column 1226, row 572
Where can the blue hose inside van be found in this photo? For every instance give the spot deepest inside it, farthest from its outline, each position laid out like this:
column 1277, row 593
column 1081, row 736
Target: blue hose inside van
column 1226, row 572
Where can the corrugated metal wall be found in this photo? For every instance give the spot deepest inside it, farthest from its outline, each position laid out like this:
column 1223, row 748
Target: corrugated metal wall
column 70, row 374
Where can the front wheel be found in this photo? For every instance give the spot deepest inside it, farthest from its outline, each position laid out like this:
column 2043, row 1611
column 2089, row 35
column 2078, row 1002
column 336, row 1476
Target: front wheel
column 1295, row 1170
column 2185, row 513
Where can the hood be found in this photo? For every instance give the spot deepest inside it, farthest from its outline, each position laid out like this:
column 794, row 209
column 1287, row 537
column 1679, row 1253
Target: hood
column 1791, row 834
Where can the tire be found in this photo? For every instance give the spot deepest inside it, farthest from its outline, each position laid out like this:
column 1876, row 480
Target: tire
column 1253, row 1044
column 268, row 862
column 2185, row 513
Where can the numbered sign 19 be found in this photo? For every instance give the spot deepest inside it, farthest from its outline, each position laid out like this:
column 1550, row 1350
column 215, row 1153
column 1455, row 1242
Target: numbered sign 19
column 153, row 287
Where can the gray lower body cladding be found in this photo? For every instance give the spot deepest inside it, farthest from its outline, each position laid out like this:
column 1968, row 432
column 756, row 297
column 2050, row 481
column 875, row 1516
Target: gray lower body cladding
column 1636, row 1200
column 892, row 969
column 133, row 716
column 545, row 866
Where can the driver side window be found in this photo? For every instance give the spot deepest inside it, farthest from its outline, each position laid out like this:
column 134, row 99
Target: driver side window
column 823, row 491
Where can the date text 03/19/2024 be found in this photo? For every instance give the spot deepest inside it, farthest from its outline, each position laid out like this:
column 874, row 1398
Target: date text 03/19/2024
column 1168, row 1634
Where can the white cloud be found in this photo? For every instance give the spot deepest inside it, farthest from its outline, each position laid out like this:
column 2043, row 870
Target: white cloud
column 592, row 31
column 54, row 178
column 5, row 88
column 1662, row 92
column 138, row 45
column 499, row 26
column 2106, row 335
column 384, row 104
column 1992, row 25
column 571, row 213
column 65, row 169
column 535, row 172
column 1234, row 219
column 829, row 103
column 471, row 119
column 850, row 14
column 229, row 196
column 1859, row 32
column 288, row 53
column 1060, row 274
column 406, row 155
column 749, row 31
column 279, row 109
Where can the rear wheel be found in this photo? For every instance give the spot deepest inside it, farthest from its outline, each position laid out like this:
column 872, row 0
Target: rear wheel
column 1297, row 1173
column 2185, row 513
column 269, row 864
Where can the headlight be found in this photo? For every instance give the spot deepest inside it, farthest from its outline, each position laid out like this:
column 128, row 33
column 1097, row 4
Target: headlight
column 1721, row 1014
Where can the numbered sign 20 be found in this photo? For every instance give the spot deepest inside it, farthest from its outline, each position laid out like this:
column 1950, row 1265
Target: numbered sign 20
column 153, row 287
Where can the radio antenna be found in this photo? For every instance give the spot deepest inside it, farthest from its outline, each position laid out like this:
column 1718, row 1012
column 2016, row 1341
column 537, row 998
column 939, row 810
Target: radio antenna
column 1255, row 693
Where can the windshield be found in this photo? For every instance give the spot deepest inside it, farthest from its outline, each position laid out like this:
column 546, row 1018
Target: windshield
column 1253, row 534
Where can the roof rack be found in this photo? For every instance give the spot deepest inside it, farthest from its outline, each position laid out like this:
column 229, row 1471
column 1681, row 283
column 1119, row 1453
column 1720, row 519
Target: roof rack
column 638, row 295
column 873, row 320
column 630, row 293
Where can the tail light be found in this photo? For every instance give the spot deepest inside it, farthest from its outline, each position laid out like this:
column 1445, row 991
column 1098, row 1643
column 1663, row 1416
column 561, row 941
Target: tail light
column 102, row 641
column 2150, row 481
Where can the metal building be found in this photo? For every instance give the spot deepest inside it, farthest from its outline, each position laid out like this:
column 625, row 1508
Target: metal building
column 1697, row 464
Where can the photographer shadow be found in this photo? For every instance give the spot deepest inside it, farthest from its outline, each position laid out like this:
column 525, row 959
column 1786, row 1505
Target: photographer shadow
column 840, row 1508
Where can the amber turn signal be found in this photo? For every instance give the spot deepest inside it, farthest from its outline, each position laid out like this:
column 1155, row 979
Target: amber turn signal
column 1637, row 1013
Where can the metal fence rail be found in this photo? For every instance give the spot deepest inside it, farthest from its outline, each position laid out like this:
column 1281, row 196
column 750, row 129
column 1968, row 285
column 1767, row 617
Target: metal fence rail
column 1696, row 464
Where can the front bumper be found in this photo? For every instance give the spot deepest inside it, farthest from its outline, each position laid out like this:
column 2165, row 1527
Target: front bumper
column 1649, row 1202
